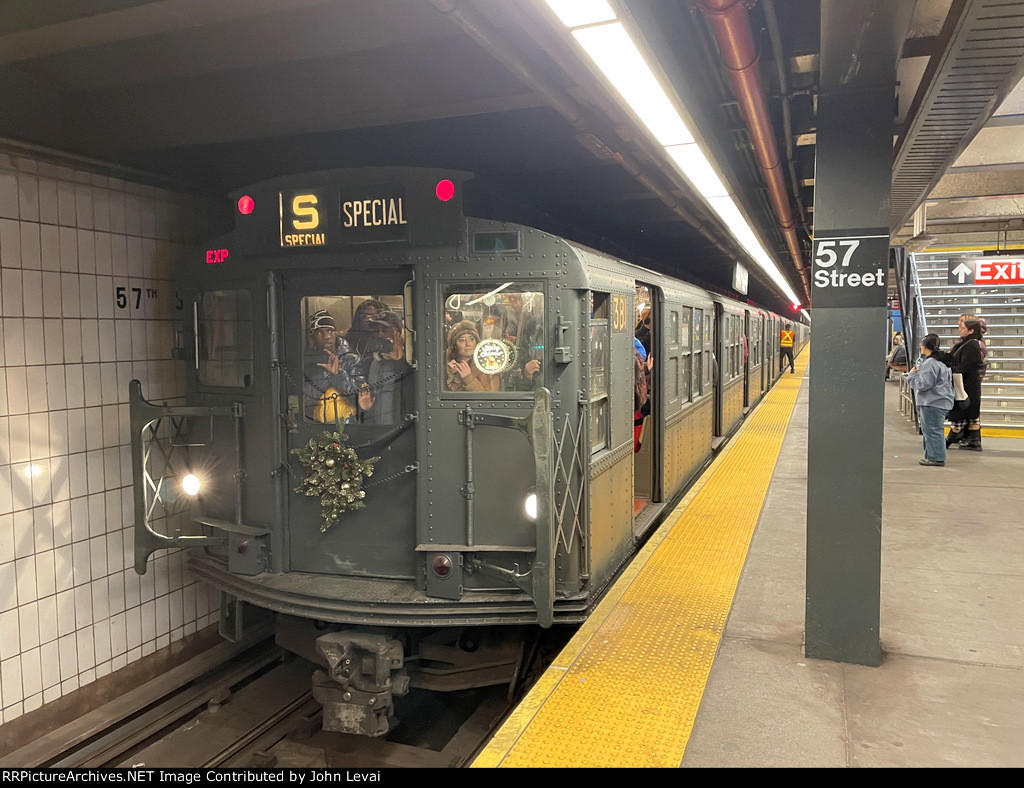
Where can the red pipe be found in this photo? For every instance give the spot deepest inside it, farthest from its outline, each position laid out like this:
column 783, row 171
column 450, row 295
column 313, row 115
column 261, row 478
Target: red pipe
column 728, row 19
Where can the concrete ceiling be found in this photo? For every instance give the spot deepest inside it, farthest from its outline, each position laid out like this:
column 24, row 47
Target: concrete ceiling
column 216, row 94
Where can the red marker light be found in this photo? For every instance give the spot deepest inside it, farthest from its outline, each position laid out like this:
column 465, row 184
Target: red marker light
column 442, row 565
column 796, row 307
column 444, row 190
column 246, row 204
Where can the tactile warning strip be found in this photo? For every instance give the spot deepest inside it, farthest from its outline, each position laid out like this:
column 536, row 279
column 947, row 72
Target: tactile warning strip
column 625, row 691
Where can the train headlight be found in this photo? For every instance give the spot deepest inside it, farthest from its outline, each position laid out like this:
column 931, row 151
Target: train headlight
column 190, row 484
column 530, row 506
column 442, row 565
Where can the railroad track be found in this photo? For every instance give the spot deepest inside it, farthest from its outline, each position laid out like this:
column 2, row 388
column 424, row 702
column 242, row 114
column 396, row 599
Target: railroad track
column 249, row 705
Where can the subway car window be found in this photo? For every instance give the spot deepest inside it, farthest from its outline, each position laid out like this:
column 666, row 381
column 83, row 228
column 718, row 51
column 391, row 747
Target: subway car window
column 698, row 354
column 225, row 338
column 599, row 356
column 685, row 360
column 494, row 338
column 355, row 359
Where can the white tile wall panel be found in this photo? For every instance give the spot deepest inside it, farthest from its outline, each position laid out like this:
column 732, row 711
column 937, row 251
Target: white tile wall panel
column 49, row 249
column 10, row 681
column 29, row 246
column 10, row 634
column 71, row 606
column 48, row 620
column 6, row 538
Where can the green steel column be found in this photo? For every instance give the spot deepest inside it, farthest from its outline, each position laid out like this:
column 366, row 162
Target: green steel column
column 860, row 45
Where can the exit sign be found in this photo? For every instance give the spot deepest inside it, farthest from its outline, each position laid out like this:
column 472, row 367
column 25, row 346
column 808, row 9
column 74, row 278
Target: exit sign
column 987, row 271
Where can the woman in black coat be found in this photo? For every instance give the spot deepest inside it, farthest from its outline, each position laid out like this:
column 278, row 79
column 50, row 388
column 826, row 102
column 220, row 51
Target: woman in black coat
column 968, row 359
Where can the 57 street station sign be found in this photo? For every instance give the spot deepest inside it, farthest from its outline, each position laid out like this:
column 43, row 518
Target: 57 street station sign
column 987, row 271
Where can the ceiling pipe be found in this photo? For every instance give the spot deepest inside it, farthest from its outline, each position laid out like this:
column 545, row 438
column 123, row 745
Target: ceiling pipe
column 481, row 30
column 731, row 26
column 787, row 122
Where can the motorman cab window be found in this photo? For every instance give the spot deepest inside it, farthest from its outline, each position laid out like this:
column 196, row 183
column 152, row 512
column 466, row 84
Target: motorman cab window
column 494, row 339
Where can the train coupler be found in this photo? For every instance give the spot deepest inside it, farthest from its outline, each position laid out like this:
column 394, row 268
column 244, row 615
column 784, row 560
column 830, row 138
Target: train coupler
column 366, row 672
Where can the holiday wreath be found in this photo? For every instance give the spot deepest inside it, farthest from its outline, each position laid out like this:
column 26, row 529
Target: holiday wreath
column 334, row 474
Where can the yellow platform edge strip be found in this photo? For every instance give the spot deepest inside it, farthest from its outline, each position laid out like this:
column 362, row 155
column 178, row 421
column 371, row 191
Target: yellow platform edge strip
column 693, row 561
column 1001, row 432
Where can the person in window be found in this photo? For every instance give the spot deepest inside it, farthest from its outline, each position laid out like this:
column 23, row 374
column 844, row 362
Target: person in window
column 516, row 318
column 643, row 330
column 494, row 323
column 462, row 373
column 526, row 375
column 387, row 394
column 331, row 372
column 360, row 332
column 641, row 398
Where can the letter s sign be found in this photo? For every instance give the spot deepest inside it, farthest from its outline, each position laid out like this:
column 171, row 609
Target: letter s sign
column 304, row 209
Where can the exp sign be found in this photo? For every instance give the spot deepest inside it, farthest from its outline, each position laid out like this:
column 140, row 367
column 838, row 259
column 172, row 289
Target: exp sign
column 987, row 271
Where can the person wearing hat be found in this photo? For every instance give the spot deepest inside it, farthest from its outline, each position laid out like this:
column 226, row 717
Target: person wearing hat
column 331, row 371
column 387, row 393
column 462, row 372
column 361, row 331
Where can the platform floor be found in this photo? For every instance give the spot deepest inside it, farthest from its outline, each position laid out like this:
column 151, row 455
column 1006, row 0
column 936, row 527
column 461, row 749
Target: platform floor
column 949, row 692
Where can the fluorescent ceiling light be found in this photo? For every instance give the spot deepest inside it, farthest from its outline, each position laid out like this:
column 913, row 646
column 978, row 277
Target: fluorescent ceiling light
column 612, row 49
column 804, row 313
column 730, row 214
column 575, row 13
column 614, row 52
column 697, row 169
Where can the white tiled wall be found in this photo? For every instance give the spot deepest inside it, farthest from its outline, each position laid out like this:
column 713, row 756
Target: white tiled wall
column 72, row 608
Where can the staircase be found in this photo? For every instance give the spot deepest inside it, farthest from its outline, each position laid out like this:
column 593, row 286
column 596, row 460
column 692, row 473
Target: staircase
column 1002, row 309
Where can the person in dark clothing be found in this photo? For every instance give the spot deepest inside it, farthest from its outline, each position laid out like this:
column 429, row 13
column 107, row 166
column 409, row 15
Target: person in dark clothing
column 786, row 339
column 330, row 371
column 968, row 358
column 643, row 330
column 387, row 394
column 527, row 375
column 360, row 332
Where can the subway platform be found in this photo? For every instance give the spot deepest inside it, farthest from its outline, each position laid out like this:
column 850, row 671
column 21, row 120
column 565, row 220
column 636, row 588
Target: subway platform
column 666, row 675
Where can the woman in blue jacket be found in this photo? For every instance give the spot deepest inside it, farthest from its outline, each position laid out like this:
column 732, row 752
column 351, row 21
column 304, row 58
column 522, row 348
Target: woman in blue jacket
column 933, row 386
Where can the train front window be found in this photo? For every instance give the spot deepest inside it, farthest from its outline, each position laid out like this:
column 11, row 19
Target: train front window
column 356, row 352
column 494, row 339
column 224, row 333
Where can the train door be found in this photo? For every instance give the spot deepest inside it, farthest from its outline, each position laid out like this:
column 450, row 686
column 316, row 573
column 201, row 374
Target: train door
column 345, row 346
column 646, row 395
column 747, row 361
column 764, row 350
column 718, row 361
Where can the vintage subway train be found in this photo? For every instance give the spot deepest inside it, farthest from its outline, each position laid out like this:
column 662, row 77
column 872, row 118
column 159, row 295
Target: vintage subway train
column 491, row 369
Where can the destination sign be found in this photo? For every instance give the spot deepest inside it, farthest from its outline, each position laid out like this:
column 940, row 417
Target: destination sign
column 374, row 213
column 341, row 209
column 303, row 218
column 850, row 270
column 987, row 271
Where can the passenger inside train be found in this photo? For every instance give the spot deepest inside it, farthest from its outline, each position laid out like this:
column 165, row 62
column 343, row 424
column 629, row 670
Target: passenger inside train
column 387, row 394
column 330, row 371
column 360, row 331
column 499, row 334
column 463, row 374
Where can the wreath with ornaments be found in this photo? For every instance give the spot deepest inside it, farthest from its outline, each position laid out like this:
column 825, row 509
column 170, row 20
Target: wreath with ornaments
column 334, row 474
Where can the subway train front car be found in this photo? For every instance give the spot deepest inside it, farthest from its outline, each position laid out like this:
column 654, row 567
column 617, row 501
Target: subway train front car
column 413, row 435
